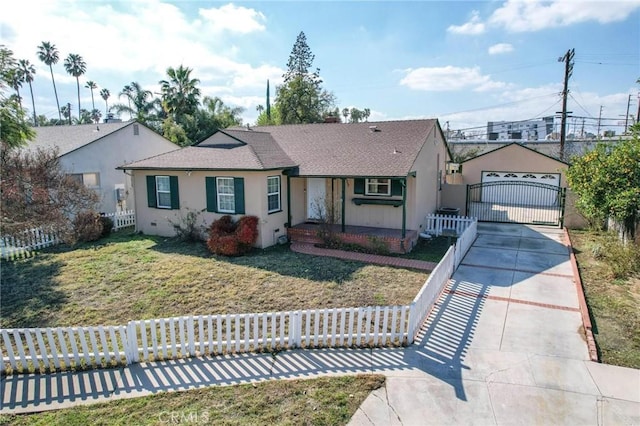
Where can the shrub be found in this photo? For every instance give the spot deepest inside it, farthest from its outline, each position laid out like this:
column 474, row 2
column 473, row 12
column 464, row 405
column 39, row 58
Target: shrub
column 107, row 226
column 187, row 228
column 230, row 238
column 87, row 226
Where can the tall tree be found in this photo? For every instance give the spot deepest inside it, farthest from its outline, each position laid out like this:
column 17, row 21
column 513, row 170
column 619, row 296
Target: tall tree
column 96, row 115
column 301, row 98
column 75, row 65
column 15, row 80
column 66, row 113
column 214, row 115
column 91, row 85
column 345, row 114
column 180, row 100
column 180, row 94
column 14, row 130
column 104, row 93
column 48, row 54
column 141, row 105
column 27, row 70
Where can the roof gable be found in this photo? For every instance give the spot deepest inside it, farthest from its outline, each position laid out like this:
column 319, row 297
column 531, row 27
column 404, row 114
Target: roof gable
column 516, row 145
column 70, row 138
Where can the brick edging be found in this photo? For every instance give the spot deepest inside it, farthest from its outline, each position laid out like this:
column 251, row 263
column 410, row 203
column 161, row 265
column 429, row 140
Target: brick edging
column 582, row 301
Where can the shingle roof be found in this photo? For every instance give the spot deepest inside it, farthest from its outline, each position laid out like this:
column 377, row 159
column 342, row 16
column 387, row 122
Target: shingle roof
column 225, row 150
column 387, row 148
column 354, row 149
column 70, row 138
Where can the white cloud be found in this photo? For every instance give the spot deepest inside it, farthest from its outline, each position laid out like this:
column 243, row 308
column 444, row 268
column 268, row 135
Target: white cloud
column 472, row 27
column 500, row 48
column 449, row 78
column 535, row 15
column 233, row 18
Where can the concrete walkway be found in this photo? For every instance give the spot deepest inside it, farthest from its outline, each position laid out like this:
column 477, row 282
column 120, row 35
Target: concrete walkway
column 503, row 346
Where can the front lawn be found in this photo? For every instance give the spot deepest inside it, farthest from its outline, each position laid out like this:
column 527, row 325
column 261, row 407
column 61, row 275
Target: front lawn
column 612, row 290
column 130, row 277
column 324, row 401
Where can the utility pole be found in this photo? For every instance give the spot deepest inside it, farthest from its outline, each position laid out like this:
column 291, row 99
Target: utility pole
column 638, row 114
column 599, row 119
column 568, row 70
column 626, row 117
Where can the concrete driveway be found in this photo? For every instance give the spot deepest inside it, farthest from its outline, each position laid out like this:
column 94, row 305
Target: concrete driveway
column 504, row 345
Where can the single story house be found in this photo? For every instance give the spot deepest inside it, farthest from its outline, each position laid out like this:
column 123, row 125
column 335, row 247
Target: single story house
column 372, row 181
column 91, row 153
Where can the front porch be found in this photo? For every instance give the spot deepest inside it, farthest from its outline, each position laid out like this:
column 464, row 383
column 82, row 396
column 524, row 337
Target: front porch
column 365, row 236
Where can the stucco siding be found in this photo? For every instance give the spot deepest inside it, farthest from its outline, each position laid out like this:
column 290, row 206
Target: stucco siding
column 192, row 194
column 511, row 158
column 115, row 149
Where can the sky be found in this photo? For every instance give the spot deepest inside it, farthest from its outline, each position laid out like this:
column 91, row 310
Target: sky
column 462, row 62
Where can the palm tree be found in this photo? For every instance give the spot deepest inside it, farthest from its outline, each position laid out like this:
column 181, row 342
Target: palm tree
column 345, row 113
column 104, row 93
column 259, row 108
column 14, row 78
column 28, row 71
column 144, row 107
column 75, row 65
column 95, row 115
column 126, row 91
column 48, row 54
column 91, row 85
column 66, row 112
column 180, row 95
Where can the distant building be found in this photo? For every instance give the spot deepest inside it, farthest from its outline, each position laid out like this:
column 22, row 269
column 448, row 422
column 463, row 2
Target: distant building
column 530, row 130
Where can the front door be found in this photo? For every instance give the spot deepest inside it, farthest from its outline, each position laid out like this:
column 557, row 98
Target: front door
column 316, row 196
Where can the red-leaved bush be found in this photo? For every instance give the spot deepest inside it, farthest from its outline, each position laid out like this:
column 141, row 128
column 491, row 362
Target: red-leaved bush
column 230, row 238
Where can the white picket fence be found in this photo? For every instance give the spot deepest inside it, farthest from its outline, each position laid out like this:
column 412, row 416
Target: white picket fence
column 14, row 247
column 49, row 349
column 122, row 219
column 439, row 277
column 435, row 224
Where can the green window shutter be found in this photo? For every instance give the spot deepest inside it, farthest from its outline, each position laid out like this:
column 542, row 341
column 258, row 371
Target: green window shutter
column 238, row 187
column 151, row 192
column 358, row 186
column 212, row 194
column 396, row 187
column 175, row 197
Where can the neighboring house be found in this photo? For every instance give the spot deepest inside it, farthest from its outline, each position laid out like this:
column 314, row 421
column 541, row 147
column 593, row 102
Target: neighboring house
column 91, row 153
column 374, row 179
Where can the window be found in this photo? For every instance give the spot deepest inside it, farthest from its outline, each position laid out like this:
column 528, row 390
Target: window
column 90, row 180
column 163, row 192
column 378, row 187
column 226, row 195
column 273, row 193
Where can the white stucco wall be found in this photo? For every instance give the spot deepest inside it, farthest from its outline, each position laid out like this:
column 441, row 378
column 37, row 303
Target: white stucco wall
column 116, row 149
column 192, row 193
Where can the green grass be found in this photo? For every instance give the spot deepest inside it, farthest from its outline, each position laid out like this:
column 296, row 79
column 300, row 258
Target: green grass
column 611, row 279
column 324, row 401
column 130, row 277
column 430, row 250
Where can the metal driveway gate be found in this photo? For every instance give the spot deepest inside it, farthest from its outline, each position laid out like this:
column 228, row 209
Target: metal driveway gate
column 517, row 202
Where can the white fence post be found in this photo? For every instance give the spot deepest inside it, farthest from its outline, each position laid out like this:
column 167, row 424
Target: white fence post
column 132, row 344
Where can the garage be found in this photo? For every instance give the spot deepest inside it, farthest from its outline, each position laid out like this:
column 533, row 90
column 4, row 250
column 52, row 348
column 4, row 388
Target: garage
column 516, row 184
column 521, row 188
